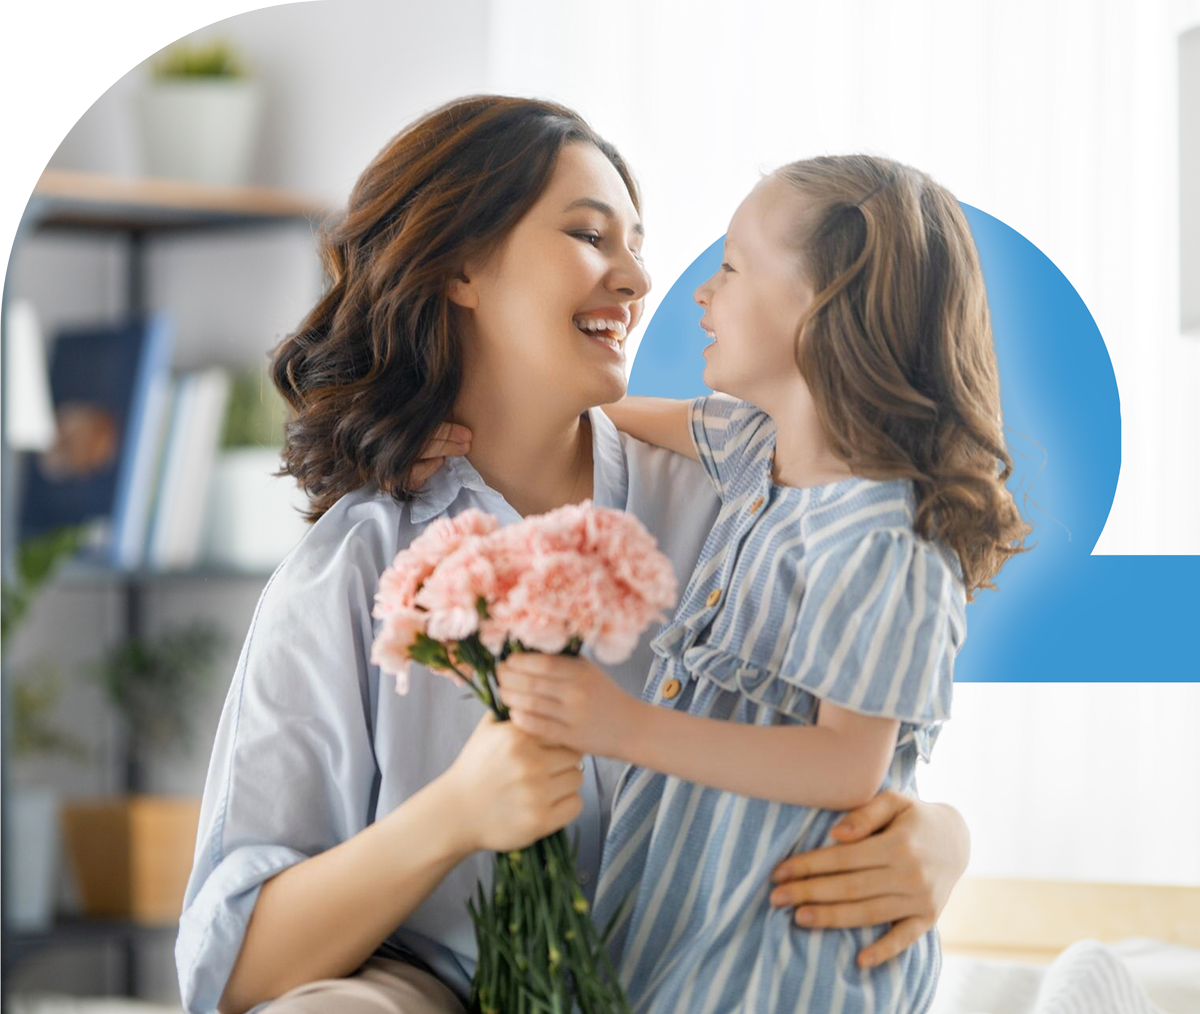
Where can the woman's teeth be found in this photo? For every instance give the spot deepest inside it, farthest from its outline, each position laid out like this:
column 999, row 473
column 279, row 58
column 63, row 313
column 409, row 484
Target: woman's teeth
column 610, row 332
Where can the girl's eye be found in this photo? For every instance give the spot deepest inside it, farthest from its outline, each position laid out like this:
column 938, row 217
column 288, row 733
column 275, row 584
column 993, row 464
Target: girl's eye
column 726, row 266
column 589, row 236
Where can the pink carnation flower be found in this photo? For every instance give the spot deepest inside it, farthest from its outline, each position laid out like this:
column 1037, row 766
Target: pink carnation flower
column 390, row 649
column 581, row 571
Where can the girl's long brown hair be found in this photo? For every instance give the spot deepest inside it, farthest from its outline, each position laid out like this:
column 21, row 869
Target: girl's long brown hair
column 376, row 365
column 897, row 349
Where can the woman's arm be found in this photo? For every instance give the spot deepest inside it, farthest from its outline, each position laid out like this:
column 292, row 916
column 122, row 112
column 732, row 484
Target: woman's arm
column 663, row 422
column 896, row 861
column 323, row 917
column 837, row 764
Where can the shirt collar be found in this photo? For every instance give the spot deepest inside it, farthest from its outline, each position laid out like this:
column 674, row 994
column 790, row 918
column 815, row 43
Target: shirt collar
column 609, row 476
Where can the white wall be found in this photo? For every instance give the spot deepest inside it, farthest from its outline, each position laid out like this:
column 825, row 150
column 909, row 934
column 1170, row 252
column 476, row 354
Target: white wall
column 342, row 77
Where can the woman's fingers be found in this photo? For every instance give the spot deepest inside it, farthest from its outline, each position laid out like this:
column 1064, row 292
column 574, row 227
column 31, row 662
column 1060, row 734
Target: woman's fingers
column 857, row 886
column 902, row 935
column 447, row 440
column 871, row 817
column 423, row 471
column 830, row 859
column 853, row 914
column 564, row 783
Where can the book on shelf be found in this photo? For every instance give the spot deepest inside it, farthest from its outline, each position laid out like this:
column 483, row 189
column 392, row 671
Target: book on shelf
column 109, row 384
column 193, row 437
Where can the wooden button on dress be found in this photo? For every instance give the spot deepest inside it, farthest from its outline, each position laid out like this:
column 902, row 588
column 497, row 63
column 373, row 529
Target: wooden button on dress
column 754, row 506
column 714, row 596
column 670, row 689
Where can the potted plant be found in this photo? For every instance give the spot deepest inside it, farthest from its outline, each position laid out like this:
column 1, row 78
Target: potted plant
column 131, row 855
column 36, row 687
column 253, row 518
column 200, row 115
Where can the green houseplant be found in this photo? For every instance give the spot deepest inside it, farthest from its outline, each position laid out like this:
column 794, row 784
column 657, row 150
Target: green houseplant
column 199, row 114
column 131, row 854
column 254, row 516
column 35, row 691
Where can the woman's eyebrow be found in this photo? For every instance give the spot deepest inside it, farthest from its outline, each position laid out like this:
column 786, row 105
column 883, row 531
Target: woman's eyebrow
column 604, row 209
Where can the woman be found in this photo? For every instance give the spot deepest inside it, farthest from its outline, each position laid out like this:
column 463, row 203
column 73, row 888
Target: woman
column 488, row 272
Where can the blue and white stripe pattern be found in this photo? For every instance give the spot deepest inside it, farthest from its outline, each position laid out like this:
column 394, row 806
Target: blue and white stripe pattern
column 799, row 595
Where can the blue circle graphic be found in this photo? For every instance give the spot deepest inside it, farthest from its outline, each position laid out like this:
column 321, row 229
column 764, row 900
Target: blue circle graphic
column 1059, row 614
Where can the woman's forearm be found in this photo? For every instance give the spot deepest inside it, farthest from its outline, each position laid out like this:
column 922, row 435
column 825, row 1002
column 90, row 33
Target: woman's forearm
column 813, row 765
column 323, row 917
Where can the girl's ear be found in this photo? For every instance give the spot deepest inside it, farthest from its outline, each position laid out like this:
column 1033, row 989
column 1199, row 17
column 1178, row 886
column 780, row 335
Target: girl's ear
column 462, row 291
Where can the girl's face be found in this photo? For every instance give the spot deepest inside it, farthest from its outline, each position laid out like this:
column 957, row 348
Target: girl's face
column 551, row 307
column 754, row 302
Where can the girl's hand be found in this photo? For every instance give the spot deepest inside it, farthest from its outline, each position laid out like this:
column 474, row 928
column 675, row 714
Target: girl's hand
column 897, row 861
column 507, row 788
column 569, row 701
column 448, row 440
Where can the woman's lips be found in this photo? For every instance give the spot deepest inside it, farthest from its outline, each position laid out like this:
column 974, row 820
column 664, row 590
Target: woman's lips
column 608, row 330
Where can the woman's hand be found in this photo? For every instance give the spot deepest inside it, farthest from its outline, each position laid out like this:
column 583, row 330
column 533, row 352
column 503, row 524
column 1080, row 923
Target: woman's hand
column 510, row 789
column 896, row 861
column 568, row 701
column 449, row 440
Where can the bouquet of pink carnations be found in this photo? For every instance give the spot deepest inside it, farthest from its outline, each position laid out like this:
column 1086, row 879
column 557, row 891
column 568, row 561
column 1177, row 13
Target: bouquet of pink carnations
column 464, row 595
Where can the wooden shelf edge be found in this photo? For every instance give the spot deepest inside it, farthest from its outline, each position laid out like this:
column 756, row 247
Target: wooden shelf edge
column 177, row 195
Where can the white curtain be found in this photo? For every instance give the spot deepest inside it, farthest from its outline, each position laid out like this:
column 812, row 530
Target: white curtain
column 1060, row 119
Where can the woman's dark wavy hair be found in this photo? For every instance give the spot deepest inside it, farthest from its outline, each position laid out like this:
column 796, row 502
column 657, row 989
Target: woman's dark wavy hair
column 376, row 365
column 897, row 349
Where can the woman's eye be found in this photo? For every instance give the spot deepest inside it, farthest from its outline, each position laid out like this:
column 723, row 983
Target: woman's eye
column 726, row 266
column 589, row 236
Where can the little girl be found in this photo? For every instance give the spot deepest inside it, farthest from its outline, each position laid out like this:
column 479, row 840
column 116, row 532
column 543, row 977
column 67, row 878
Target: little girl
column 862, row 474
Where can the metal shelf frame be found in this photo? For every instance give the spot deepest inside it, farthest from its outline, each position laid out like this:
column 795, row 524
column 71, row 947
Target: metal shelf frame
column 90, row 204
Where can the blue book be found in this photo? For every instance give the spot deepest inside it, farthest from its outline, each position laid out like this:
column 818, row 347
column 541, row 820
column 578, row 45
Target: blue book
column 109, row 384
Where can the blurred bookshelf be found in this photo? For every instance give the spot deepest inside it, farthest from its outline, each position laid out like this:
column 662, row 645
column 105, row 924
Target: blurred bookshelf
column 76, row 203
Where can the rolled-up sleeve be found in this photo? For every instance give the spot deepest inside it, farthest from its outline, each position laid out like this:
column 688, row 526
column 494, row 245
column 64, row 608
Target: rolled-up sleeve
column 293, row 768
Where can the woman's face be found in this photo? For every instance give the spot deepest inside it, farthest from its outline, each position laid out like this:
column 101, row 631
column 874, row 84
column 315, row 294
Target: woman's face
column 754, row 301
column 551, row 307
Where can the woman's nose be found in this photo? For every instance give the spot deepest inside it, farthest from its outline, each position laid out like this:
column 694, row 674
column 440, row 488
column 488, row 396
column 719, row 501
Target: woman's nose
column 632, row 279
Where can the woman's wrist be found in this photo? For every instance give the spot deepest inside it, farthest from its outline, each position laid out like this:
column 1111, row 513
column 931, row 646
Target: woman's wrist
column 444, row 811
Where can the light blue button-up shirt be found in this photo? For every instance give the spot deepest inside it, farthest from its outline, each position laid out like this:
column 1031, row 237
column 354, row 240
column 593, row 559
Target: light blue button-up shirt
column 314, row 744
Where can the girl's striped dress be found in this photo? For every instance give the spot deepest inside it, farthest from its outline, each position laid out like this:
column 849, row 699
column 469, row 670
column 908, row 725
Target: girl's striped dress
column 800, row 595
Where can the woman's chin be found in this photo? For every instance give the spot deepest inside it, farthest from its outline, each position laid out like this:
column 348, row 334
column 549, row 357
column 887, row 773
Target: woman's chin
column 605, row 387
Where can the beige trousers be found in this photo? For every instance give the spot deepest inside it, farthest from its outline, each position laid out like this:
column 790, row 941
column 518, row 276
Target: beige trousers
column 381, row 986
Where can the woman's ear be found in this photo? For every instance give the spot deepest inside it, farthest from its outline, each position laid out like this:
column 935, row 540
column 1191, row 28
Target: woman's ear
column 462, row 291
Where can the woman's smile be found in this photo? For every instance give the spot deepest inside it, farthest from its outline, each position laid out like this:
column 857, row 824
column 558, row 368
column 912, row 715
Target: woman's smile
column 606, row 326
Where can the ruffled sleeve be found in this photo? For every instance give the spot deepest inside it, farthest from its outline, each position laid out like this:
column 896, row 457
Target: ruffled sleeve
column 731, row 437
column 879, row 625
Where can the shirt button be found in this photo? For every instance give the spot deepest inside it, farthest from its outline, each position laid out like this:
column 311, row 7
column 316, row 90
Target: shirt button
column 582, row 877
column 670, row 689
column 714, row 596
column 754, row 506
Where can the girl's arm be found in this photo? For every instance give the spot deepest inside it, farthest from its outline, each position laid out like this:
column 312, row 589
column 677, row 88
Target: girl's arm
column 660, row 421
column 837, row 764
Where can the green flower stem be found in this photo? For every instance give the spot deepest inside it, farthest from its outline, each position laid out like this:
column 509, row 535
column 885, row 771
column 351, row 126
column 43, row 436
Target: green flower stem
column 539, row 951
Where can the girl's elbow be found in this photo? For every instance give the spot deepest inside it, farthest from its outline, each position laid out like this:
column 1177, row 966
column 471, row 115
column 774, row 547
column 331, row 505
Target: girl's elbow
column 857, row 789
